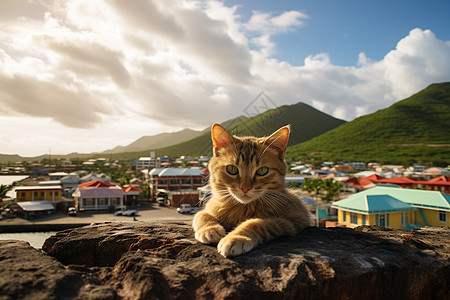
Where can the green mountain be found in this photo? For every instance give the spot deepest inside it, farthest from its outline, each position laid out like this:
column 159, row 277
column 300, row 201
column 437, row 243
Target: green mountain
column 414, row 130
column 155, row 141
column 306, row 123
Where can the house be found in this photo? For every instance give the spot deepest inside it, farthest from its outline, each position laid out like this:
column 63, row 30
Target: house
column 131, row 197
column 67, row 183
column 98, row 195
column 394, row 208
column 359, row 184
column 33, row 209
column 38, row 193
column 57, row 175
column 147, row 163
column 178, row 185
column 176, row 178
column 92, row 177
column 441, row 183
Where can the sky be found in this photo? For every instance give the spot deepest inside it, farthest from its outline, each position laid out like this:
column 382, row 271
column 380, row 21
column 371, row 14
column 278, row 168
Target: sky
column 88, row 75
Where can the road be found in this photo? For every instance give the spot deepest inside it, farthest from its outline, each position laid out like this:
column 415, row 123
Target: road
column 147, row 213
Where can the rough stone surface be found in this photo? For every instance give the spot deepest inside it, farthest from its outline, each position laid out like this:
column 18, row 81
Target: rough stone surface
column 28, row 273
column 164, row 261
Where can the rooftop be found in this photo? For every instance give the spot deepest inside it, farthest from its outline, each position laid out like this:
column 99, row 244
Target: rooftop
column 161, row 172
column 372, row 204
column 416, row 198
column 36, row 205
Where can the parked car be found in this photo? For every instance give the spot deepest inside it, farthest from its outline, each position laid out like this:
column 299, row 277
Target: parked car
column 187, row 209
column 72, row 211
column 161, row 201
column 124, row 211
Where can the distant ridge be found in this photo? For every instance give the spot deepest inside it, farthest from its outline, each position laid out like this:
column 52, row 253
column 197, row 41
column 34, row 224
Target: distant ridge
column 306, row 123
column 155, row 141
column 414, row 130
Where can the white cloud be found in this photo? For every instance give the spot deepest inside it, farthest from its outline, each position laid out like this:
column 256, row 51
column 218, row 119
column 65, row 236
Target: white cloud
column 84, row 67
column 266, row 23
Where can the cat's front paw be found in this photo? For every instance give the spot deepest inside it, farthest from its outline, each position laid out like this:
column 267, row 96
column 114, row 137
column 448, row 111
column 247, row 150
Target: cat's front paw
column 210, row 234
column 232, row 245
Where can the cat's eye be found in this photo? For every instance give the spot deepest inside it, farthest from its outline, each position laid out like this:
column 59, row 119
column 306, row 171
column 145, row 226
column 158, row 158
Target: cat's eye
column 232, row 170
column 262, row 171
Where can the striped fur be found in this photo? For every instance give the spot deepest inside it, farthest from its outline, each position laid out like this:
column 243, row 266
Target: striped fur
column 248, row 209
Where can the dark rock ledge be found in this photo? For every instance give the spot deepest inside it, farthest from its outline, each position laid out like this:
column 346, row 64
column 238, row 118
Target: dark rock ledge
column 163, row 261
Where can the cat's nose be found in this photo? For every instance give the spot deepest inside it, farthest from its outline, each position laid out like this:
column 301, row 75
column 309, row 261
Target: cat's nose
column 245, row 189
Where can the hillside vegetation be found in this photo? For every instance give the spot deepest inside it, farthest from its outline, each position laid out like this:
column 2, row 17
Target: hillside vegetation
column 306, row 123
column 414, row 130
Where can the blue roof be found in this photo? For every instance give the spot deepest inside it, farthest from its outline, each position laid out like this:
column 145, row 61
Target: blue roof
column 412, row 197
column 372, row 204
column 308, row 200
column 322, row 214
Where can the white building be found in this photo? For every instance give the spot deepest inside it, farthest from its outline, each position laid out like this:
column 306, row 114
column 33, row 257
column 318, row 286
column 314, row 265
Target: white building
column 98, row 195
column 147, row 163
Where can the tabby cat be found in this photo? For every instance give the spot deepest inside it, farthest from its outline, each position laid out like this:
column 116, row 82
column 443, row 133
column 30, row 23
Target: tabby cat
column 249, row 203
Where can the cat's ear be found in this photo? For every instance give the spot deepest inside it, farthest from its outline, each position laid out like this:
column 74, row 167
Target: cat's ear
column 220, row 137
column 279, row 140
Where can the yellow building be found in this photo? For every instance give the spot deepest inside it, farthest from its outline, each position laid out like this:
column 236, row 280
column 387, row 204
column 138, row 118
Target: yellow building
column 394, row 208
column 381, row 210
column 38, row 193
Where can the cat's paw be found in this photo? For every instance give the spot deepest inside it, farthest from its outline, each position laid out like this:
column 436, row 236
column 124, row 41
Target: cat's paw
column 232, row 245
column 210, row 234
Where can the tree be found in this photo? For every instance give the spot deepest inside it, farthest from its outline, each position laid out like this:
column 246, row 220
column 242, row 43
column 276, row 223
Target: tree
column 312, row 185
column 4, row 189
column 331, row 188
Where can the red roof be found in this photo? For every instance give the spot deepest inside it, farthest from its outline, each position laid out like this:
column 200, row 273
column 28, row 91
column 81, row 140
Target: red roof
column 394, row 180
column 131, row 188
column 360, row 183
column 374, row 177
column 440, row 179
column 96, row 184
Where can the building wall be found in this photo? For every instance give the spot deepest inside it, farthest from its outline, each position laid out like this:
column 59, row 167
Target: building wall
column 101, row 203
column 396, row 219
column 183, row 198
column 432, row 217
column 177, row 182
column 38, row 195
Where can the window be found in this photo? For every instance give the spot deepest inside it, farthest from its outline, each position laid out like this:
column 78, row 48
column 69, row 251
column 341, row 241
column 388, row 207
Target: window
column 442, row 216
column 89, row 201
column 22, row 194
column 42, row 194
column 401, row 219
column 113, row 201
column 56, row 194
column 354, row 219
column 344, row 216
column 102, row 201
column 406, row 219
column 382, row 220
column 364, row 220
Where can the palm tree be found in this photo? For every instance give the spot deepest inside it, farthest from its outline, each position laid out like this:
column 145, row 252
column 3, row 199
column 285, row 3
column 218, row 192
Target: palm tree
column 331, row 188
column 4, row 189
column 312, row 185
